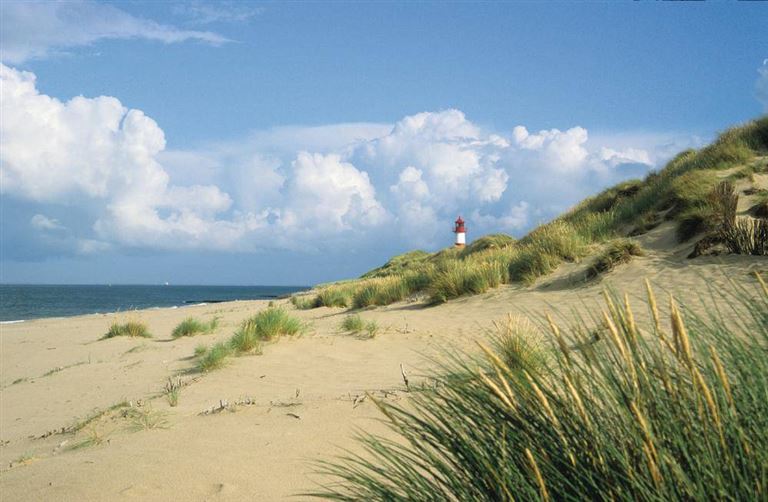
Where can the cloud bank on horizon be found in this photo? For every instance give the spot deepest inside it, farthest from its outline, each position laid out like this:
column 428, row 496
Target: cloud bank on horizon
column 294, row 188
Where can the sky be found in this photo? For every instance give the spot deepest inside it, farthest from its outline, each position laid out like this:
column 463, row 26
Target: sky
column 295, row 143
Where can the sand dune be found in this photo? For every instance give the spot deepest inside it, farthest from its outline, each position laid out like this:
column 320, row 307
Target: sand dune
column 298, row 402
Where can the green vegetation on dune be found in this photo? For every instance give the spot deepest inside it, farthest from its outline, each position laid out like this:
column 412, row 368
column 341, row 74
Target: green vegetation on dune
column 356, row 325
column 667, row 409
column 615, row 253
column 130, row 329
column 492, row 241
column 192, row 326
column 685, row 191
column 266, row 326
column 399, row 264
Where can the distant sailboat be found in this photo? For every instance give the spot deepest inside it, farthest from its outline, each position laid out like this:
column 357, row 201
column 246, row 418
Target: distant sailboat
column 166, row 283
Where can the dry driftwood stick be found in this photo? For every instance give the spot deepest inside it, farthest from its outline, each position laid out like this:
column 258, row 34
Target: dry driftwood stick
column 405, row 377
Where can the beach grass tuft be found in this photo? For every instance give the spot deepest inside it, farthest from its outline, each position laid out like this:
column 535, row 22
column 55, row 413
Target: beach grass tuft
column 145, row 418
column 214, row 358
column 192, row 326
column 266, row 326
column 246, row 340
column 171, row 391
column 200, row 349
column 130, row 328
column 273, row 322
column 617, row 252
column 352, row 323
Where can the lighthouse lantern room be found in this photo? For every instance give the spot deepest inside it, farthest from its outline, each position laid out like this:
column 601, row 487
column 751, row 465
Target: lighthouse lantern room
column 461, row 232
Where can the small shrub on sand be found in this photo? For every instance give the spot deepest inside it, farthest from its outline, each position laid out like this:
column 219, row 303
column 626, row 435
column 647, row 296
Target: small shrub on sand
column 200, row 350
column 191, row 327
column 171, row 390
column 246, row 339
column 130, row 328
column 214, row 358
column 371, row 328
column 142, row 419
column 616, row 253
column 652, row 411
column 271, row 323
column 353, row 323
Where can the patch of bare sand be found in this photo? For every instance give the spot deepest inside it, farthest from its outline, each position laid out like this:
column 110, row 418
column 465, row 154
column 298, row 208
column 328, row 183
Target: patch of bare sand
column 299, row 401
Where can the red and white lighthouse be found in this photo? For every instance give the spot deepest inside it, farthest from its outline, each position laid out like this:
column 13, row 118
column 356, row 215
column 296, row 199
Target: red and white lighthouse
column 461, row 232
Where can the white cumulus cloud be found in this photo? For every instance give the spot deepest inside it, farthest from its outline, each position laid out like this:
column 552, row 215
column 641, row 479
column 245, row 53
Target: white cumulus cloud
column 328, row 194
column 327, row 187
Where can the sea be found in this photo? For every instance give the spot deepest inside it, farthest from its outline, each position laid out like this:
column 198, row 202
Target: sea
column 19, row 303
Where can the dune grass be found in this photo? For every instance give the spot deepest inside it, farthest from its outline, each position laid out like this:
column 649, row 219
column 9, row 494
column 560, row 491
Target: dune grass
column 130, row 328
column 748, row 237
column 304, row 301
column 192, row 326
column 274, row 322
column 214, row 358
column 617, row 252
column 486, row 242
column 354, row 324
column 172, row 390
column 399, row 264
column 669, row 409
column 266, row 326
column 460, row 278
column 245, row 340
column 520, row 345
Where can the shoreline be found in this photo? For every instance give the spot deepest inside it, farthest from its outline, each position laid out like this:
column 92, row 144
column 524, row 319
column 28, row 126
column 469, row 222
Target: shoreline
column 153, row 309
column 24, row 305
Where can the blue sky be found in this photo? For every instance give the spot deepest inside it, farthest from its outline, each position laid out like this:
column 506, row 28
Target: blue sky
column 291, row 143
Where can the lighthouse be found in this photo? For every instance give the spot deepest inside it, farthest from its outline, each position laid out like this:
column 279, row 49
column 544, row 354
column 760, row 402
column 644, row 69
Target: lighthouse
column 461, row 233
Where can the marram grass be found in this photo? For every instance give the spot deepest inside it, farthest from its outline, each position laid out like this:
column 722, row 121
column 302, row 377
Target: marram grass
column 192, row 326
column 129, row 328
column 266, row 326
column 675, row 408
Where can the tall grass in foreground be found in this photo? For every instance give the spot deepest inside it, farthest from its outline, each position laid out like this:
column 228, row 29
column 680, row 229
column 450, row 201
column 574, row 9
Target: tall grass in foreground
column 672, row 409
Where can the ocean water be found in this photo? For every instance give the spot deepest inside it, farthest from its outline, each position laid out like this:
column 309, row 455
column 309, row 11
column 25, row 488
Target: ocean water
column 25, row 302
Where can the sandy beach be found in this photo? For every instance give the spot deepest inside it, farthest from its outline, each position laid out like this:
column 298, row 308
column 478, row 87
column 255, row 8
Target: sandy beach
column 299, row 402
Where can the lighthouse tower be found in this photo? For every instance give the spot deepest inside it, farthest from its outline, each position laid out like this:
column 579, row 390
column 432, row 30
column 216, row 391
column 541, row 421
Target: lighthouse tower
column 461, row 233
